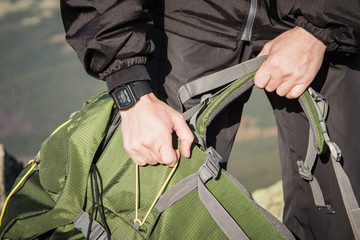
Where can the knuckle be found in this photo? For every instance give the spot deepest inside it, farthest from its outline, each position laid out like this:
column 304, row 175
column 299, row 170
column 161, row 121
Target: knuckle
column 178, row 117
column 280, row 92
column 291, row 95
column 129, row 148
column 169, row 162
column 191, row 137
column 267, row 46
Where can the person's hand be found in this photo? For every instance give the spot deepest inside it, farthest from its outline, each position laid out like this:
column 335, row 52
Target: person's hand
column 147, row 130
column 294, row 58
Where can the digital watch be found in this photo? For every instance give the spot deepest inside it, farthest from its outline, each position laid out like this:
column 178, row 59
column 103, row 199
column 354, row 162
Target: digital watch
column 125, row 96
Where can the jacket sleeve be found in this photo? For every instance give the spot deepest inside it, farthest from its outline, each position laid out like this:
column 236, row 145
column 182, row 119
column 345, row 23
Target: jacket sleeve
column 335, row 22
column 109, row 37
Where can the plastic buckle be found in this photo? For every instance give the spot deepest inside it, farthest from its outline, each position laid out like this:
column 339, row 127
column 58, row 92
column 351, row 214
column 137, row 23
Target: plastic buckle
column 320, row 100
column 304, row 171
column 335, row 151
column 212, row 162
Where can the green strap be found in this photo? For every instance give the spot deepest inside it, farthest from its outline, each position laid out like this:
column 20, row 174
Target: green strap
column 315, row 116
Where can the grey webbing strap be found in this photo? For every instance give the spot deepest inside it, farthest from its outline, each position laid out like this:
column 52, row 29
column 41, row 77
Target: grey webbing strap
column 227, row 224
column 199, row 140
column 305, row 171
column 347, row 193
column 211, row 166
column 209, row 169
column 319, row 197
column 305, row 167
column 218, row 79
column 180, row 190
column 219, row 214
column 205, row 100
column 82, row 222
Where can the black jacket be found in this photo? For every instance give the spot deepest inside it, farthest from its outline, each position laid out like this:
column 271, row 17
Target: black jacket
column 110, row 36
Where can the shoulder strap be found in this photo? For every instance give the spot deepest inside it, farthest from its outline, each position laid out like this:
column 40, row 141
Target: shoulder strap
column 234, row 82
column 320, row 109
column 218, row 79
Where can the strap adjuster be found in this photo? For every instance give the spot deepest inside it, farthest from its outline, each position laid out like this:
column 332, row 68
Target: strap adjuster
column 211, row 166
column 212, row 162
column 304, row 171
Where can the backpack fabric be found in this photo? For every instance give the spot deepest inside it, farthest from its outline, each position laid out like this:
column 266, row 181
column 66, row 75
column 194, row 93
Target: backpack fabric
column 83, row 184
column 54, row 194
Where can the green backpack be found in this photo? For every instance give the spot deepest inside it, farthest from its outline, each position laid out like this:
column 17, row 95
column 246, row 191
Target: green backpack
column 82, row 184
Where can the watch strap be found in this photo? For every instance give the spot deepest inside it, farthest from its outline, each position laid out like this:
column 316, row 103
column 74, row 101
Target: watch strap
column 140, row 88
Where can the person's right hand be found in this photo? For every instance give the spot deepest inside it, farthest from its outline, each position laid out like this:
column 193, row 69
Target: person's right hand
column 147, row 131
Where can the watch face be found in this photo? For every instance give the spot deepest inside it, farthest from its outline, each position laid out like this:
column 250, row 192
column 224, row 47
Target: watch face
column 124, row 97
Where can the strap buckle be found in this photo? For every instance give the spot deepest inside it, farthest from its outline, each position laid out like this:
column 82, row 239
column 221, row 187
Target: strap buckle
column 212, row 162
column 334, row 150
column 304, row 171
column 320, row 100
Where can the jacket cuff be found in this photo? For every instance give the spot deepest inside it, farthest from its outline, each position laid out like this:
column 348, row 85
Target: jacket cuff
column 131, row 74
column 322, row 34
column 124, row 63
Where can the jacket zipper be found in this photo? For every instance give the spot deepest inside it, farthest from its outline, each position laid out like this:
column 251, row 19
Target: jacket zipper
column 250, row 21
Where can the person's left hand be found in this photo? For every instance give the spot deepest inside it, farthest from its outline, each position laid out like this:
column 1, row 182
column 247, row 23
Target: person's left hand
column 294, row 58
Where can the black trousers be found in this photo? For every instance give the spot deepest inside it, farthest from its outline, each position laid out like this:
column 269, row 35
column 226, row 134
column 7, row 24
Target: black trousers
column 178, row 60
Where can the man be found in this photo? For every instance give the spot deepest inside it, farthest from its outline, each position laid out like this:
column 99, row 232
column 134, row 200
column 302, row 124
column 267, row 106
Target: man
column 320, row 41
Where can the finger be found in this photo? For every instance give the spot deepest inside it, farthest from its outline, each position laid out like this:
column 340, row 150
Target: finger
column 139, row 160
column 168, row 155
column 185, row 135
column 273, row 84
column 177, row 152
column 262, row 77
column 139, row 153
column 150, row 151
column 153, row 158
column 296, row 91
column 284, row 88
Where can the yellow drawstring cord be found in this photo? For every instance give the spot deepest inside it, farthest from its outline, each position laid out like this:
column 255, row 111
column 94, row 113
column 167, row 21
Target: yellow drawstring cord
column 17, row 187
column 62, row 125
column 156, row 198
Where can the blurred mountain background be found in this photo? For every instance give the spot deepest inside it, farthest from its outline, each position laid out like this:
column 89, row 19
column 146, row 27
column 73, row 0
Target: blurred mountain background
column 42, row 82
